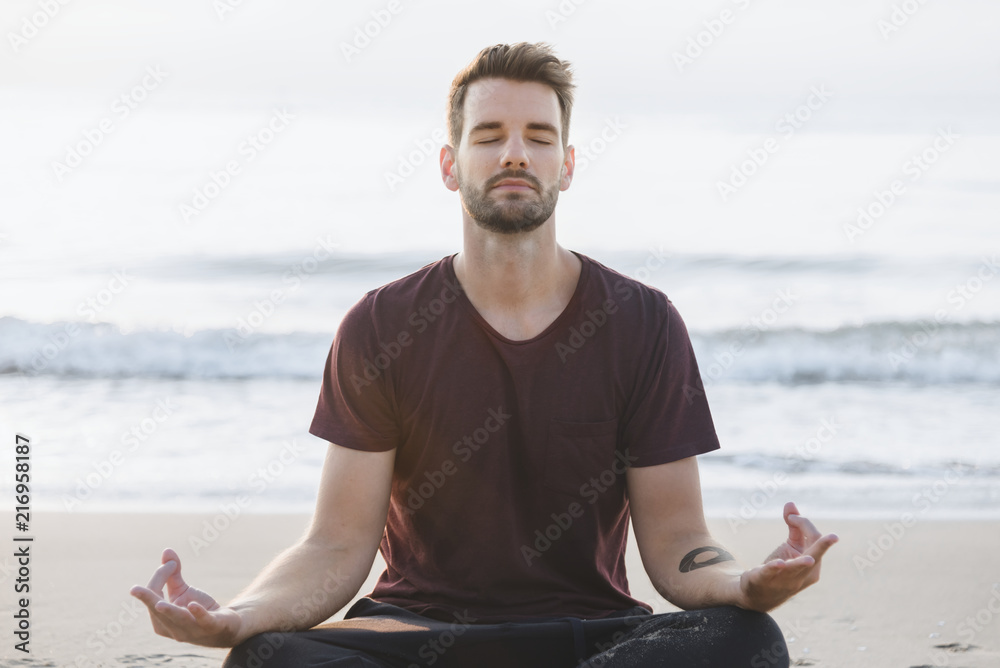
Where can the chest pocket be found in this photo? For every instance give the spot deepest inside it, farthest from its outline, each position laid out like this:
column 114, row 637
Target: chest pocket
column 575, row 452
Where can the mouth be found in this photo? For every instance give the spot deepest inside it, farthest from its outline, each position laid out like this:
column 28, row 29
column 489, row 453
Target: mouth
column 513, row 185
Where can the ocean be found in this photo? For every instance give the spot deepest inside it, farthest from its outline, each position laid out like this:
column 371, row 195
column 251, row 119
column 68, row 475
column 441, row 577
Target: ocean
column 164, row 320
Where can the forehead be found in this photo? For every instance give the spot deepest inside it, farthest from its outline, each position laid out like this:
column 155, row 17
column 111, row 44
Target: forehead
column 511, row 103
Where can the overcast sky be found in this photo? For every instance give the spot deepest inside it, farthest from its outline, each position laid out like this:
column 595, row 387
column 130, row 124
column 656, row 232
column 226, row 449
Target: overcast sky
column 886, row 66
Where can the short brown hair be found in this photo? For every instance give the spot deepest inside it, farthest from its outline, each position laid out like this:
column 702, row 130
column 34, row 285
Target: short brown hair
column 517, row 62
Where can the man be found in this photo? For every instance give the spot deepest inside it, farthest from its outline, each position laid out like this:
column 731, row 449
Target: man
column 494, row 420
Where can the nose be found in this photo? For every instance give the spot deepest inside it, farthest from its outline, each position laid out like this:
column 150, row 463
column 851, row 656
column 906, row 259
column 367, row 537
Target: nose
column 514, row 154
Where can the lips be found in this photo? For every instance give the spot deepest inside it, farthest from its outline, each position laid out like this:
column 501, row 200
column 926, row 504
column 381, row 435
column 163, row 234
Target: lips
column 514, row 184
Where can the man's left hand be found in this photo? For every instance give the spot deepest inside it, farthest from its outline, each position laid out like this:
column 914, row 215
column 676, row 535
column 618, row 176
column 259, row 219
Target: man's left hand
column 792, row 567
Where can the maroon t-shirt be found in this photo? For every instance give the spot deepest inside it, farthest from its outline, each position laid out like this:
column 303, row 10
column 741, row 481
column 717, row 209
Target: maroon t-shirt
column 508, row 495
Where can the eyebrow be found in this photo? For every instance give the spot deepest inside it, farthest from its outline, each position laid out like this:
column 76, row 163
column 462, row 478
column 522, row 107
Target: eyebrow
column 496, row 125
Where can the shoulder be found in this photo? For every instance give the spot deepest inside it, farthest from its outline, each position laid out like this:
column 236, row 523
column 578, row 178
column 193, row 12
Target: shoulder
column 394, row 302
column 621, row 292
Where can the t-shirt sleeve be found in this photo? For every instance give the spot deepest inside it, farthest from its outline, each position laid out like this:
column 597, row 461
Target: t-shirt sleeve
column 355, row 408
column 668, row 417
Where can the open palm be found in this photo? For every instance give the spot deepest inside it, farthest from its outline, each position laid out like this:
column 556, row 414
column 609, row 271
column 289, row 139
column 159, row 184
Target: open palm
column 790, row 568
column 186, row 613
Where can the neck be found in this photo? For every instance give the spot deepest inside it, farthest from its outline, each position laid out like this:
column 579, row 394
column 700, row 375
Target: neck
column 516, row 273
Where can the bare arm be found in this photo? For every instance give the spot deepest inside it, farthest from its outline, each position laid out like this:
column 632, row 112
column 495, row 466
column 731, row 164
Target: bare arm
column 335, row 556
column 690, row 568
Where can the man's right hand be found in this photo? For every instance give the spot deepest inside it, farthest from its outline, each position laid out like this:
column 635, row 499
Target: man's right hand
column 189, row 614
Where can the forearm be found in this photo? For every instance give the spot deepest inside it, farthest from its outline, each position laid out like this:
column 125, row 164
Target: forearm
column 697, row 572
column 301, row 587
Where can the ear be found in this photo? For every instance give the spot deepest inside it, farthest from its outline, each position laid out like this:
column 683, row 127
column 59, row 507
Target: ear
column 449, row 169
column 568, row 168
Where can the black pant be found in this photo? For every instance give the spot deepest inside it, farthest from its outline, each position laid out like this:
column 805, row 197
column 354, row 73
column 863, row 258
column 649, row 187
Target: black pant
column 379, row 635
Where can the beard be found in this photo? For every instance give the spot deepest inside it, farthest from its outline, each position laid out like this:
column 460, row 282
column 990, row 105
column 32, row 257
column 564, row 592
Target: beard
column 509, row 212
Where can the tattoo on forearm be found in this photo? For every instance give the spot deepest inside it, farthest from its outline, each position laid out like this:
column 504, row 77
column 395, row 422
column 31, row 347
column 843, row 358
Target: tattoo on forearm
column 689, row 564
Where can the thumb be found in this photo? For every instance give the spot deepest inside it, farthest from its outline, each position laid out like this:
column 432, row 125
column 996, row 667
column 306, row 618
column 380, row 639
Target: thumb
column 175, row 582
column 790, row 509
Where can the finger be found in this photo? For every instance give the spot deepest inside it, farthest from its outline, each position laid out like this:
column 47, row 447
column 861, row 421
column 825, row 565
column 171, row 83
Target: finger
column 160, row 576
column 175, row 582
column 804, row 525
column 785, row 567
column 819, row 548
column 785, row 574
column 175, row 615
column 772, row 568
column 150, row 599
column 203, row 616
column 145, row 595
column 796, row 537
column 801, row 563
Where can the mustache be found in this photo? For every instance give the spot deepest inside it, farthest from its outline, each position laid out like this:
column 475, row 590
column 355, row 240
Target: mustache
column 524, row 176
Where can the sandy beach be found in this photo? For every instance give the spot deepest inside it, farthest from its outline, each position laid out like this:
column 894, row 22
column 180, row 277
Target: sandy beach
column 891, row 596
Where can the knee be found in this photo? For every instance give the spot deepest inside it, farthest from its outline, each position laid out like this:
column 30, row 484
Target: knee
column 761, row 637
column 719, row 637
column 264, row 650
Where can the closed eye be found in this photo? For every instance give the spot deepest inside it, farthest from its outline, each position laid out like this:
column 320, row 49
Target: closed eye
column 537, row 141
